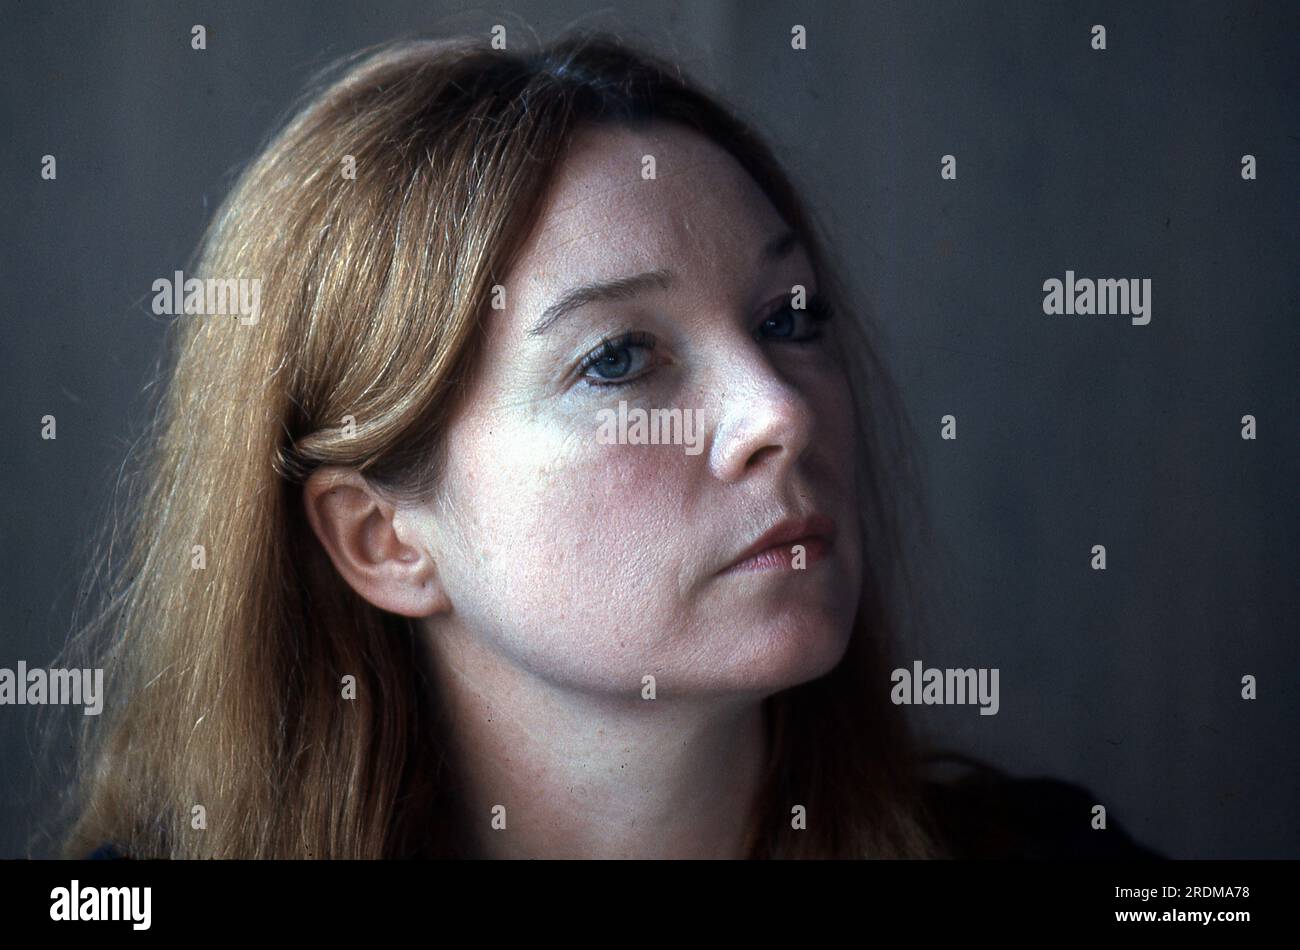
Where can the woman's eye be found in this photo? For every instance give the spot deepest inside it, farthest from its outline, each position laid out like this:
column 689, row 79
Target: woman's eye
column 795, row 325
column 626, row 358
column 619, row 361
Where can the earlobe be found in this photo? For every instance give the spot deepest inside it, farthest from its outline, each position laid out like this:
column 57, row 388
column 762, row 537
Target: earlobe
column 375, row 548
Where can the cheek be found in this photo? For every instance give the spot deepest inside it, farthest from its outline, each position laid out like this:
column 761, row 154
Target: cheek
column 603, row 510
column 566, row 541
column 837, row 397
column 836, row 429
column 837, row 462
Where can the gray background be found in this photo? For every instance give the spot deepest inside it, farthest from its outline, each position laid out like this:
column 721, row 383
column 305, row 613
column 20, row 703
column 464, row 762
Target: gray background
column 1073, row 430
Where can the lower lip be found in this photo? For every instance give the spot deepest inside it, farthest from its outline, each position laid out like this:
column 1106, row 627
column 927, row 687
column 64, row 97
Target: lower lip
column 781, row 557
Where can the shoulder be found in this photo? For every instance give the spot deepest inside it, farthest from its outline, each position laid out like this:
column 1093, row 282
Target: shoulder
column 986, row 814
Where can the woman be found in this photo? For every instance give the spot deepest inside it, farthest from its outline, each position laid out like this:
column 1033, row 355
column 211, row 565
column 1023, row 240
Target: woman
column 399, row 586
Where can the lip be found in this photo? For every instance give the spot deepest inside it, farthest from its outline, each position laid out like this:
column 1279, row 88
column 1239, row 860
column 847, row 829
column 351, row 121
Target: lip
column 771, row 551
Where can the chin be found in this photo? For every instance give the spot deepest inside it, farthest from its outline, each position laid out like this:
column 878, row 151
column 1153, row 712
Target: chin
column 776, row 652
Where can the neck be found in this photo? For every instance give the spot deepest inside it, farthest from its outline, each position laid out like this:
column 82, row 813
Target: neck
column 587, row 775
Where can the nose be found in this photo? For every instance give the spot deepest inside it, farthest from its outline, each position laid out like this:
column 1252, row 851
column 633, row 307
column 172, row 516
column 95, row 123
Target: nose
column 763, row 421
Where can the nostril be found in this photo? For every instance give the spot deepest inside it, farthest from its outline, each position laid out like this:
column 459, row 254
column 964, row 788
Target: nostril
column 762, row 453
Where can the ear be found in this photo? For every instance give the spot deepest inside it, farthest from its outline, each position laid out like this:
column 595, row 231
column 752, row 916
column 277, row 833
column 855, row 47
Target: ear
column 375, row 547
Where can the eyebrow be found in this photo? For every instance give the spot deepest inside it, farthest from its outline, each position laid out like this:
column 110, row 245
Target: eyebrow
column 625, row 288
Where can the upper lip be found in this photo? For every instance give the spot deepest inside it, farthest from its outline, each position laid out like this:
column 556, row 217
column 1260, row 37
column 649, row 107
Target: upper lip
column 786, row 531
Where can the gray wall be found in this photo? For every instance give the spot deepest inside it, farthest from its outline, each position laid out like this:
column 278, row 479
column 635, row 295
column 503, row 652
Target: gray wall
column 1072, row 430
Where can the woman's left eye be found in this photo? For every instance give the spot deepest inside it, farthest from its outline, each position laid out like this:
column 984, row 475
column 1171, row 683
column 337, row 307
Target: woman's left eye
column 795, row 325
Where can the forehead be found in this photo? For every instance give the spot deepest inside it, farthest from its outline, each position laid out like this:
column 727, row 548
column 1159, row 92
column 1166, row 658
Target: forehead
column 603, row 219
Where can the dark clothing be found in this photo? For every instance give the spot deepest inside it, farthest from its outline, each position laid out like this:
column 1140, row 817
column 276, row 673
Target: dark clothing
column 987, row 815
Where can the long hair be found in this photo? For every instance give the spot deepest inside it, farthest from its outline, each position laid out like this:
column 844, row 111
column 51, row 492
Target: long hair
column 377, row 220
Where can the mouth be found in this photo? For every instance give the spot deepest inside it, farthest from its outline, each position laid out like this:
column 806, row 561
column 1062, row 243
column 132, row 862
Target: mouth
column 790, row 545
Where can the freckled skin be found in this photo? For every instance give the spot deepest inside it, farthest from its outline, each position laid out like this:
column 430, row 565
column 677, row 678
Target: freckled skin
column 588, row 565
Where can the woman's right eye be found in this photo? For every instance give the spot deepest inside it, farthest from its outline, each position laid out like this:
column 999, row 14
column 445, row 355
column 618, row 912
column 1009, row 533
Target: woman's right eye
column 619, row 361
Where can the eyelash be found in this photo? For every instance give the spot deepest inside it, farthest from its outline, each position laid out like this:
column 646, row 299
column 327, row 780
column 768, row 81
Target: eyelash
column 818, row 311
column 611, row 348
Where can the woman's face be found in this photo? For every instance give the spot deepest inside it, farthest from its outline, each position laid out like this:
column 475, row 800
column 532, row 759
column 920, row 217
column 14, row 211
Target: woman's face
column 588, row 557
